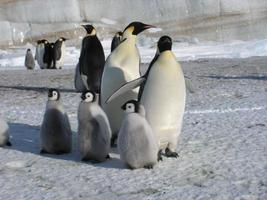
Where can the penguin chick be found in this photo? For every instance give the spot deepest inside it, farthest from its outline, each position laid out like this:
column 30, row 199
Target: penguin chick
column 56, row 136
column 94, row 131
column 4, row 134
column 29, row 60
column 137, row 144
column 116, row 40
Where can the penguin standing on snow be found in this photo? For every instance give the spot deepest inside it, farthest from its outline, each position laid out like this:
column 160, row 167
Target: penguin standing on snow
column 137, row 144
column 56, row 133
column 91, row 62
column 116, row 40
column 163, row 94
column 48, row 55
column 94, row 131
column 4, row 134
column 121, row 66
column 39, row 53
column 29, row 60
column 58, row 53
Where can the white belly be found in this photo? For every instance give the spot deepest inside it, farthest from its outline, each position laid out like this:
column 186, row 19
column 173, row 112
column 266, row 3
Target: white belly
column 114, row 76
column 164, row 100
column 60, row 62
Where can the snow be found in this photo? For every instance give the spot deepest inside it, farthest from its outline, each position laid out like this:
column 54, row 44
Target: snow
column 13, row 58
column 222, row 148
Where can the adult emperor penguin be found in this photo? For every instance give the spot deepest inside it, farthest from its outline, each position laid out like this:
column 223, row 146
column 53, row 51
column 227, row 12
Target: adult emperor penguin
column 4, row 134
column 58, row 53
column 137, row 144
column 121, row 66
column 39, row 53
column 91, row 61
column 56, row 133
column 29, row 60
column 163, row 96
column 116, row 40
column 94, row 131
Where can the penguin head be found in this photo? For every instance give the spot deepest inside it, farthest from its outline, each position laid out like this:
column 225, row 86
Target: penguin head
column 44, row 41
column 119, row 34
column 165, row 43
column 89, row 29
column 53, row 94
column 131, row 106
column 39, row 41
column 88, row 96
column 28, row 50
column 62, row 39
column 137, row 27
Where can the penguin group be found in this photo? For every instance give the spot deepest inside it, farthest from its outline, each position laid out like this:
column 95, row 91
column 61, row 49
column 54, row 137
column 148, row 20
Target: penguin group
column 49, row 55
column 143, row 114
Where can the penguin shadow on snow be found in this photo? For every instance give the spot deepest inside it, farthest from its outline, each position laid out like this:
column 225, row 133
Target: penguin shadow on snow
column 247, row 77
column 26, row 138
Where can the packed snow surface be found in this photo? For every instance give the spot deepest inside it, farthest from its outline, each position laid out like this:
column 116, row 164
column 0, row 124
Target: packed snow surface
column 222, row 148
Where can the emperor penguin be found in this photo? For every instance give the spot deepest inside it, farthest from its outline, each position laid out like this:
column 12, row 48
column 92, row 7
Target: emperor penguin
column 163, row 95
column 58, row 53
column 94, row 131
column 116, row 40
column 91, row 62
column 4, row 134
column 39, row 53
column 56, row 136
column 121, row 66
column 29, row 60
column 137, row 144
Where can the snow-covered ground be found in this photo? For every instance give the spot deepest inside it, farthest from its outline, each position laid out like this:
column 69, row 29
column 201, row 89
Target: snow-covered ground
column 13, row 58
column 222, row 148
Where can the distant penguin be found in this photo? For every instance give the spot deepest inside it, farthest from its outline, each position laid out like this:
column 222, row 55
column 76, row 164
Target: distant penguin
column 58, row 53
column 137, row 144
column 29, row 60
column 56, row 136
column 91, row 61
column 4, row 134
column 163, row 96
column 39, row 53
column 94, row 131
column 116, row 40
column 121, row 66
column 48, row 55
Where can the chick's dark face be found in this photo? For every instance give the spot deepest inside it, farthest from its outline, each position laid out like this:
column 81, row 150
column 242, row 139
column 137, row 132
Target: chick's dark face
column 89, row 28
column 164, row 43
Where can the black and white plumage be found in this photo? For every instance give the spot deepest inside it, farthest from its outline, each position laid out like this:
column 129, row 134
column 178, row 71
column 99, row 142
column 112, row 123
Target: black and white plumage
column 58, row 53
column 91, row 61
column 94, row 131
column 4, row 134
column 122, row 66
column 137, row 144
column 56, row 136
column 29, row 60
column 116, row 40
column 163, row 95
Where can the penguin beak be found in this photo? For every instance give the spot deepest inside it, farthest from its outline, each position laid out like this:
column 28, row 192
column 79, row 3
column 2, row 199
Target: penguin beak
column 147, row 26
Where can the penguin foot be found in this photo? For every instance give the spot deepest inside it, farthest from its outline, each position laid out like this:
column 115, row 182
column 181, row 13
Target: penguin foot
column 148, row 167
column 43, row 151
column 169, row 153
column 160, row 155
column 9, row 143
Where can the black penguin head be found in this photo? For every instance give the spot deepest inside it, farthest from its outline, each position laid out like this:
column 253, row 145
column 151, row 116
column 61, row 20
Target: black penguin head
column 28, row 50
column 53, row 94
column 119, row 34
column 89, row 29
column 137, row 27
column 62, row 39
column 131, row 106
column 164, row 43
column 44, row 41
column 39, row 41
column 88, row 96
